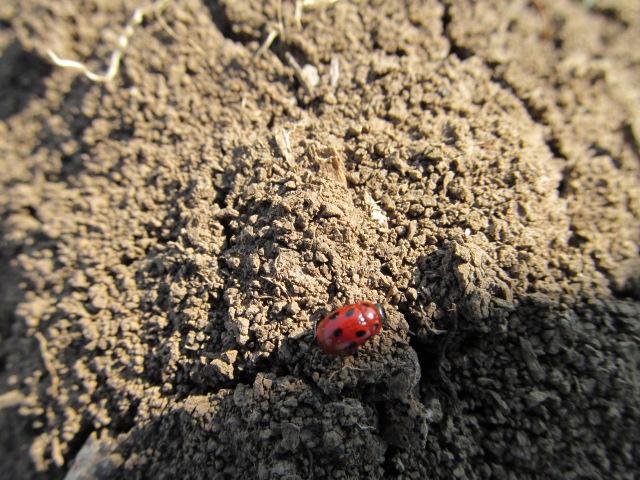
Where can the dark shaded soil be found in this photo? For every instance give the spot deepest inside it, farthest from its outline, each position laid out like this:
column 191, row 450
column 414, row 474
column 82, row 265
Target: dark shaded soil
column 170, row 239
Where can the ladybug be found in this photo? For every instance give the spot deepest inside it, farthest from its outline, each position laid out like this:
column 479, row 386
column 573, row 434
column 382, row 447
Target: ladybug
column 347, row 328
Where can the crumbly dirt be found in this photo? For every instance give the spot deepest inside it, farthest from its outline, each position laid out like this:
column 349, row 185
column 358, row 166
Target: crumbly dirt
column 170, row 239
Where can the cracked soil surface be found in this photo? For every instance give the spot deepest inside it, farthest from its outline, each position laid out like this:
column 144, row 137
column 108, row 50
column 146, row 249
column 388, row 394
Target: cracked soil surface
column 170, row 239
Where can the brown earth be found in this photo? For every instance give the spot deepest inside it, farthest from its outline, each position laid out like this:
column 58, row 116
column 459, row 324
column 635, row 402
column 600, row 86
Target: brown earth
column 170, row 238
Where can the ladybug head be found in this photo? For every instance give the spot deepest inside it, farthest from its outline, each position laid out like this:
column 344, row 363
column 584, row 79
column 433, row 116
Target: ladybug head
column 383, row 314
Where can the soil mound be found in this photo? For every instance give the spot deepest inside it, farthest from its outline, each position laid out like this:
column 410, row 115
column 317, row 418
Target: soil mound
column 171, row 237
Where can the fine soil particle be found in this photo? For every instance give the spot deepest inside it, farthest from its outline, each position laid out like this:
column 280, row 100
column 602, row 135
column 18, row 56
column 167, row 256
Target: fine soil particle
column 171, row 238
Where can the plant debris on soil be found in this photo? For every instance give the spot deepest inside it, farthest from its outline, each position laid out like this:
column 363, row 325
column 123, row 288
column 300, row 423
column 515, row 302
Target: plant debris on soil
column 171, row 237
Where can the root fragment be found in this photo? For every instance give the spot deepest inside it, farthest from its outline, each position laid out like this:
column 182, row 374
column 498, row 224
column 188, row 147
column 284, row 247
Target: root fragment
column 116, row 57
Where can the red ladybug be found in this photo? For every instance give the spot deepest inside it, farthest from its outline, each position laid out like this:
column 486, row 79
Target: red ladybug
column 345, row 329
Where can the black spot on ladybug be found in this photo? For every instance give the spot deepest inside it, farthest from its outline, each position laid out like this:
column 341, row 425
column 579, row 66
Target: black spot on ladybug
column 337, row 332
column 360, row 333
column 376, row 325
column 350, row 312
column 334, row 315
column 352, row 346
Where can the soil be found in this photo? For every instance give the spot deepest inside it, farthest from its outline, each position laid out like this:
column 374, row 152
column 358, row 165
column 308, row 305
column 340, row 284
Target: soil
column 171, row 237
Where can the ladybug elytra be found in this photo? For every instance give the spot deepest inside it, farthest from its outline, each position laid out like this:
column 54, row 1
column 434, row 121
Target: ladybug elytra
column 347, row 328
